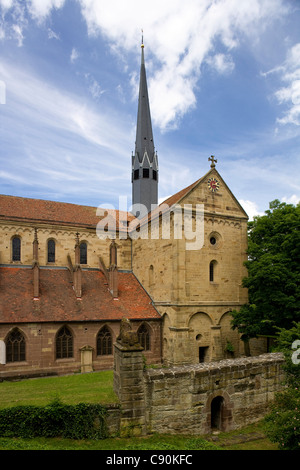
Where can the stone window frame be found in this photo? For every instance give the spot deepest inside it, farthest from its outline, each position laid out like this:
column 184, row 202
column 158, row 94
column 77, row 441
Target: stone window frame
column 14, row 249
column 144, row 336
column 83, row 257
column 47, row 250
column 21, row 350
column 107, row 345
column 70, row 347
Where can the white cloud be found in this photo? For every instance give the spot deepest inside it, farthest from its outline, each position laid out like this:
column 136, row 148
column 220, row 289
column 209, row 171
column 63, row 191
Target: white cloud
column 294, row 199
column 251, row 208
column 290, row 94
column 39, row 9
column 52, row 34
column 221, row 63
column 180, row 36
column 74, row 55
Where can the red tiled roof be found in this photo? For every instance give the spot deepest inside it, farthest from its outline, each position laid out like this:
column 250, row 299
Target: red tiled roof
column 58, row 301
column 58, row 213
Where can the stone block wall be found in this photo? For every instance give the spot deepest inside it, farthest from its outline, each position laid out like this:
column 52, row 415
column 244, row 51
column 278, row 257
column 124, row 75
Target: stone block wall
column 228, row 394
column 196, row 399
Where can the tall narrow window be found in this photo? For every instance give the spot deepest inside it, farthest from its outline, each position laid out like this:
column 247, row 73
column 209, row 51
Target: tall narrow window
column 16, row 249
column 51, row 251
column 212, row 270
column 104, row 342
column 144, row 337
column 83, row 253
column 15, row 346
column 146, row 173
column 64, row 343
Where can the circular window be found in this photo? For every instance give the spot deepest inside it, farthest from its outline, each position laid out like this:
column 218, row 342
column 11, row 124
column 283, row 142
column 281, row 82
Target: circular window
column 213, row 240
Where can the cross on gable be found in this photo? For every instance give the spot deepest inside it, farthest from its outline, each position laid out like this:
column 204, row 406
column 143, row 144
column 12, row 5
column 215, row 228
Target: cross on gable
column 213, row 161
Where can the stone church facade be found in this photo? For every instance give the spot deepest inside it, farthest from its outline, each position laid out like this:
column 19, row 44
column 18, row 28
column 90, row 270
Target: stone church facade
column 64, row 289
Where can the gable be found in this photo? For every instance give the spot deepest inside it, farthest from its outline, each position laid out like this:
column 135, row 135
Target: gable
column 219, row 202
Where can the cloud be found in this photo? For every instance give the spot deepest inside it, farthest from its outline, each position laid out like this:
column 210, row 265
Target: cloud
column 74, row 55
column 40, row 9
column 289, row 95
column 179, row 38
column 294, row 199
column 52, row 34
column 251, row 208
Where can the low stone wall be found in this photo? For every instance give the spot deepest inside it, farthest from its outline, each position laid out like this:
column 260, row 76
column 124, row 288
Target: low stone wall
column 226, row 395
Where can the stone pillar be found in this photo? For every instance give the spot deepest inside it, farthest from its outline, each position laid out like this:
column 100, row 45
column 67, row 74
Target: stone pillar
column 216, row 344
column 129, row 387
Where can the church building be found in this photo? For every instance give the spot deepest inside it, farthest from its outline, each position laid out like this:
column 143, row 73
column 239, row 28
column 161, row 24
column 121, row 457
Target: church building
column 64, row 289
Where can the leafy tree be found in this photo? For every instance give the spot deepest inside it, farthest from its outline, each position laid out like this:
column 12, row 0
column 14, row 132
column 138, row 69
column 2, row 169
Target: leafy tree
column 273, row 272
column 282, row 424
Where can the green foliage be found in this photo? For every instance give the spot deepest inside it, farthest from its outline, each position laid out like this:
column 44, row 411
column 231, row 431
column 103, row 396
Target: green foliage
column 282, row 425
column 196, row 443
column 273, row 272
column 283, row 422
column 81, row 421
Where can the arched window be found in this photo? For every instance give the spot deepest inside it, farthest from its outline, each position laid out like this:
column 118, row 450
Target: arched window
column 212, row 270
column 51, row 251
column 144, row 337
column 16, row 249
column 15, row 346
column 83, row 253
column 104, row 342
column 64, row 343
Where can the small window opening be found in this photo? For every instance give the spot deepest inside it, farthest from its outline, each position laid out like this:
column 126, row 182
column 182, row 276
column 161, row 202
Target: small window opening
column 16, row 249
column 136, row 174
column 51, row 251
column 202, row 353
column 83, row 253
column 146, row 173
column 154, row 175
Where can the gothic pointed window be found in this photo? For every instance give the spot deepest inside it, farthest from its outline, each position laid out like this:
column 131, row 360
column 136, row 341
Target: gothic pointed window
column 15, row 346
column 104, row 342
column 144, row 337
column 16, row 249
column 64, row 343
column 83, row 253
column 51, row 251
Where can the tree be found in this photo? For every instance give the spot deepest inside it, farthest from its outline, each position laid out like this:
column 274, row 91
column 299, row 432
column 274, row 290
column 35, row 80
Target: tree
column 273, row 272
column 282, row 424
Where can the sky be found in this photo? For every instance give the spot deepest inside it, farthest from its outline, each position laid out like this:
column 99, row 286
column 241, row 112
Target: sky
column 223, row 79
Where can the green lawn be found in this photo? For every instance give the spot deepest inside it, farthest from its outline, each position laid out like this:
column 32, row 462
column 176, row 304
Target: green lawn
column 96, row 387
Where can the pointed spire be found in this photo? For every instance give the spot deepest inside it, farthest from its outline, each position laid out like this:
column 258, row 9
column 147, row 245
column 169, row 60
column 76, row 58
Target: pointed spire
column 144, row 135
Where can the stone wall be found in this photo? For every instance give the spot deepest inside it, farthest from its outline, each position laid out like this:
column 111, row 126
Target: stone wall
column 225, row 395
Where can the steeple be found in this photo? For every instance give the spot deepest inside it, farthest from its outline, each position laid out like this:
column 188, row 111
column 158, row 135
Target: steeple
column 144, row 160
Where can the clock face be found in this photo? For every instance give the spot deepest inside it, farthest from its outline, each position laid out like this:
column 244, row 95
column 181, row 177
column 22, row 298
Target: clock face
column 213, row 185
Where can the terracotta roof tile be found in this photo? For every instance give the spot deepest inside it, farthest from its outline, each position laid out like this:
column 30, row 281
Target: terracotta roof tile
column 58, row 302
column 58, row 213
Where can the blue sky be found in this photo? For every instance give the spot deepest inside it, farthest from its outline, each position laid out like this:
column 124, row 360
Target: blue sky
column 223, row 78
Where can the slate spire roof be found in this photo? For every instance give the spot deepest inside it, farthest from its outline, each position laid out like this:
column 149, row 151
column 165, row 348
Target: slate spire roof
column 144, row 136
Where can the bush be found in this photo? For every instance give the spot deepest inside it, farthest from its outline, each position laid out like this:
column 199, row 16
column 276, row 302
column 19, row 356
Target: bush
column 82, row 421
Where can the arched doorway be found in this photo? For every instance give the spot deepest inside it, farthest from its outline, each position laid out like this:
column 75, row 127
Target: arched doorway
column 217, row 413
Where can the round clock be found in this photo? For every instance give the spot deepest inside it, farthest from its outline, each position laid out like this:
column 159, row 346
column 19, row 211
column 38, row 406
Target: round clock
column 213, row 184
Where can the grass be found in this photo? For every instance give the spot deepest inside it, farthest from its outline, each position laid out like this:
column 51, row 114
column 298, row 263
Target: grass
column 96, row 387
